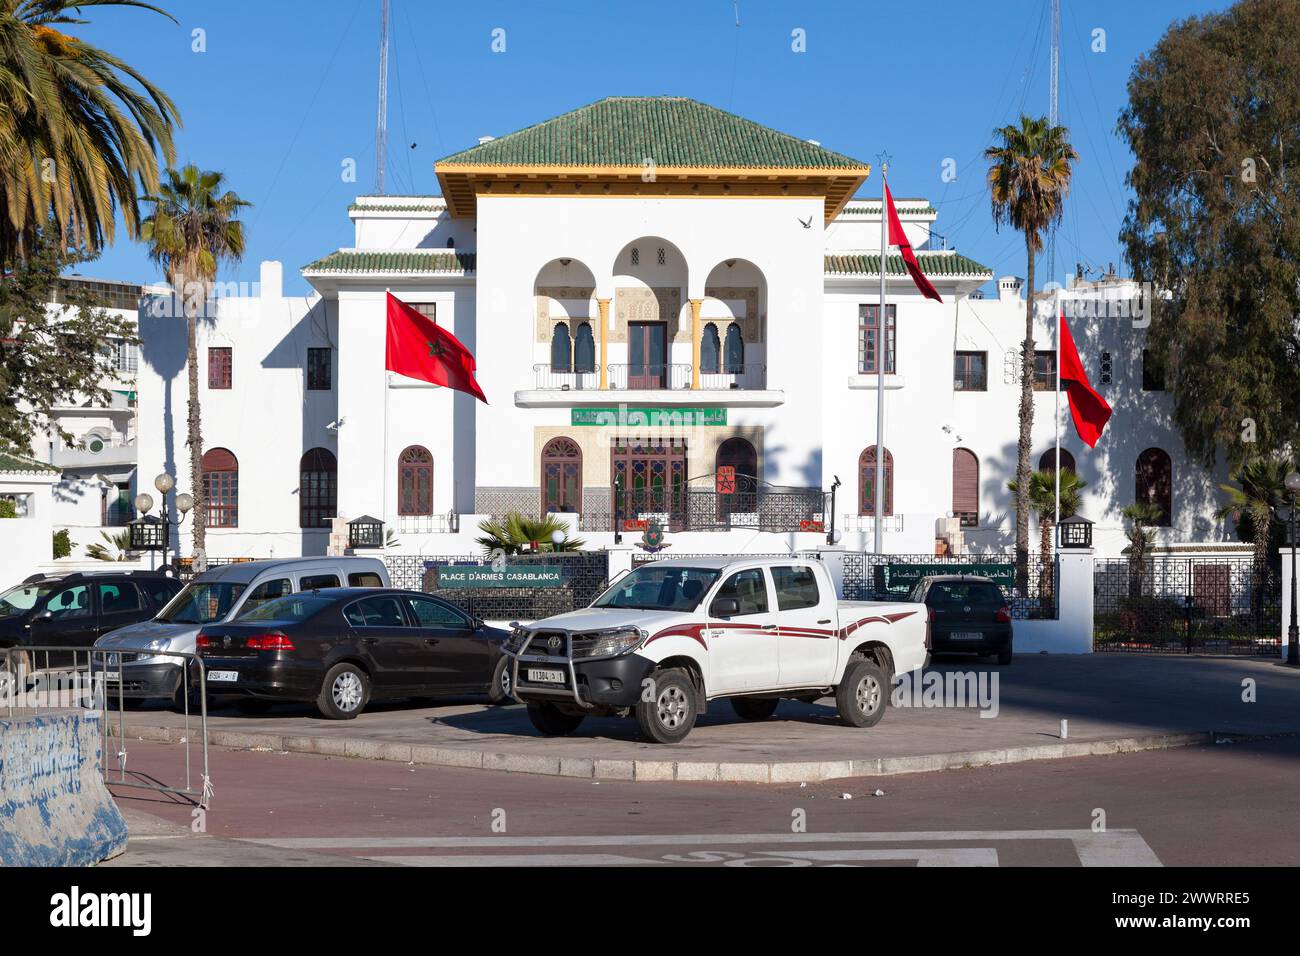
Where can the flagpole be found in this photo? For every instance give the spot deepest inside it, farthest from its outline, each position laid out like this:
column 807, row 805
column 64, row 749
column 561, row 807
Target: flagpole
column 383, row 471
column 881, row 352
column 1056, row 516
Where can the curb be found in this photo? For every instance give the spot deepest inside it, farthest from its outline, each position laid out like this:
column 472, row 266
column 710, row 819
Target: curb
column 684, row 770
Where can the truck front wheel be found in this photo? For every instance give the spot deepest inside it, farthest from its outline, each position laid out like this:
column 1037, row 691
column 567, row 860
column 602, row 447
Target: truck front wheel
column 668, row 716
column 862, row 694
column 550, row 721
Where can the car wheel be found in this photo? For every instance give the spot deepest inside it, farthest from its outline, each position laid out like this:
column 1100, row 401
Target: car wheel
column 754, row 708
column 1004, row 655
column 668, row 716
column 863, row 693
column 183, row 698
column 499, row 689
column 344, row 692
column 550, row 721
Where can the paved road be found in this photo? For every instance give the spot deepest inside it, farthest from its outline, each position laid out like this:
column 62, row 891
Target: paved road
column 1226, row 805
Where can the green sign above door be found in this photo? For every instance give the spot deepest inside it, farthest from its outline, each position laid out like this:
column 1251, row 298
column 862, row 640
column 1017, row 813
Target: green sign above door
column 624, row 417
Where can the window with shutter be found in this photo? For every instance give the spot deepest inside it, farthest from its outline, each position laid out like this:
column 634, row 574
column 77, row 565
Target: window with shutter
column 966, row 487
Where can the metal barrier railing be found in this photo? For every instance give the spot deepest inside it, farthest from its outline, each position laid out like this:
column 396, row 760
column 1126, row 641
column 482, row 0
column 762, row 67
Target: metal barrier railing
column 44, row 678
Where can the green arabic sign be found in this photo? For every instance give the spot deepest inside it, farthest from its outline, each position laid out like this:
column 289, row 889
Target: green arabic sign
column 465, row 578
column 649, row 417
column 901, row 577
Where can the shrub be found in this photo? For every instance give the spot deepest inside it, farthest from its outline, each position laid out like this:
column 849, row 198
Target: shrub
column 62, row 544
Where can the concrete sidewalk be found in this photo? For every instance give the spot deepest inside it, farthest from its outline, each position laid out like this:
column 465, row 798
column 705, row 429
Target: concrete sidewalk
column 1114, row 703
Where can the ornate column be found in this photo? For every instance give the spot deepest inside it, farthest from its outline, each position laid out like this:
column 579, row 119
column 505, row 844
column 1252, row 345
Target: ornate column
column 602, row 306
column 696, row 304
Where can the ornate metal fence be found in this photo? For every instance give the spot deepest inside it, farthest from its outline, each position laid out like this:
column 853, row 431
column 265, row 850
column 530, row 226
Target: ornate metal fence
column 889, row 577
column 1189, row 605
column 563, row 581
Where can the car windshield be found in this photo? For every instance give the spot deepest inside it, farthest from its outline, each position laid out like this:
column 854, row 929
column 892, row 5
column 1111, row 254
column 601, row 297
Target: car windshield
column 660, row 589
column 17, row 601
column 202, row 602
column 294, row 607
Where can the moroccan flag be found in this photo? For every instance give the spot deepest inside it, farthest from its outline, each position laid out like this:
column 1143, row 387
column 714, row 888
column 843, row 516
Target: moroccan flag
column 899, row 238
column 420, row 349
column 1088, row 409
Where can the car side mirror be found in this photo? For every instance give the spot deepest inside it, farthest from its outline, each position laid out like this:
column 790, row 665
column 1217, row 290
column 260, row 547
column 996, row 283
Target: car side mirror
column 46, row 615
column 724, row 607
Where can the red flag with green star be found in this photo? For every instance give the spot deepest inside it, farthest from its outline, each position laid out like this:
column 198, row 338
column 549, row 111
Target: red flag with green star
column 420, row 349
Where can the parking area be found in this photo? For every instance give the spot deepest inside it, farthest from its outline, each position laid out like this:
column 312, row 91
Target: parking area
column 1111, row 704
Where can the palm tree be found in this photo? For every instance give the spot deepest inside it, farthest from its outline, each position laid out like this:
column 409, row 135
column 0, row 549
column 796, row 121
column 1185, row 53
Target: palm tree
column 1042, row 498
column 192, row 229
column 1141, row 517
column 79, row 129
column 520, row 535
column 1260, row 486
column 115, row 546
column 1029, row 175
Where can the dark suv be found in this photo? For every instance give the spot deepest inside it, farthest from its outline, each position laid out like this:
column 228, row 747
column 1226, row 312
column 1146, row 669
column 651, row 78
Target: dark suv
column 967, row 613
column 72, row 610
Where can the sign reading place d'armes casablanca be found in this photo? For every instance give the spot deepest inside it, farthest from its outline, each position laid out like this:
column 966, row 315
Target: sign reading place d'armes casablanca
column 537, row 576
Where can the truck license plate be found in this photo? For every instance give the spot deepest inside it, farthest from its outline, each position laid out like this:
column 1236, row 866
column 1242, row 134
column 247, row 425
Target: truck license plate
column 539, row 676
column 223, row 676
column 967, row 636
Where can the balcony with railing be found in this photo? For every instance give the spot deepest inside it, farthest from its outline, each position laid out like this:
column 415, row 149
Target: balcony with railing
column 663, row 383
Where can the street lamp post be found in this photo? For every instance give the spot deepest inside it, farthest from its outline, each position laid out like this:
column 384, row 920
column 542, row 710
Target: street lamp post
column 1293, row 631
column 183, row 503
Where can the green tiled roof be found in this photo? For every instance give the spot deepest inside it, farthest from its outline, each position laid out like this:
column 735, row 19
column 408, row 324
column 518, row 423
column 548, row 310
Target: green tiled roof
column 403, row 261
column 10, row 462
column 940, row 264
column 670, row 130
column 415, row 204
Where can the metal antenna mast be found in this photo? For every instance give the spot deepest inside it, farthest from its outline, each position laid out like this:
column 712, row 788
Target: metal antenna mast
column 381, row 123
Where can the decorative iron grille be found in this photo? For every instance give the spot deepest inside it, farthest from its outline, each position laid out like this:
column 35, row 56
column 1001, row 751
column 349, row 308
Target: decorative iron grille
column 752, row 505
column 1192, row 605
column 583, row 575
column 889, row 577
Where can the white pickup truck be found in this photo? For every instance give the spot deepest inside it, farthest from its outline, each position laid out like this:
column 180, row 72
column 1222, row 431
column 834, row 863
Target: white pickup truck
column 672, row 635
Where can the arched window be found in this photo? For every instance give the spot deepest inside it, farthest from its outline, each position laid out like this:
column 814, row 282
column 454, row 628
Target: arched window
column 739, row 454
column 221, row 488
column 966, row 487
column 1048, row 461
column 561, row 476
column 561, row 351
column 710, row 349
column 584, row 349
column 415, row 481
column 1155, row 483
column 318, row 488
column 734, row 355
column 867, row 482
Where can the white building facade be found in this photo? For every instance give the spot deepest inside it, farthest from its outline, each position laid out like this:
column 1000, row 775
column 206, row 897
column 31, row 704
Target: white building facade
column 652, row 312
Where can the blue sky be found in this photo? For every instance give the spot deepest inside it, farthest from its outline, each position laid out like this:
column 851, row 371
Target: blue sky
column 286, row 91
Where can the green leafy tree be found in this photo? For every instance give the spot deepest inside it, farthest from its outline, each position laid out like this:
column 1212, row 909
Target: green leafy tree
column 62, row 544
column 194, row 228
column 79, row 129
column 1030, row 167
column 48, row 359
column 520, row 535
column 1213, row 122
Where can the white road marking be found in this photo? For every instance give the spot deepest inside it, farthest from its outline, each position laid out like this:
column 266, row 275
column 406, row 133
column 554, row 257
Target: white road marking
column 1111, row 848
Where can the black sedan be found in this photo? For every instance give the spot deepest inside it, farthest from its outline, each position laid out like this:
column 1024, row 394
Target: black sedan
column 342, row 647
column 968, row 613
